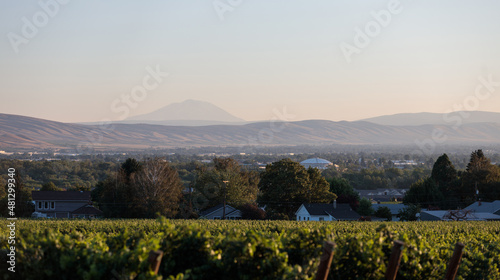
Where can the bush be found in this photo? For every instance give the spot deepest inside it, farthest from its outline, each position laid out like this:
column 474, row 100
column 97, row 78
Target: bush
column 252, row 212
column 384, row 212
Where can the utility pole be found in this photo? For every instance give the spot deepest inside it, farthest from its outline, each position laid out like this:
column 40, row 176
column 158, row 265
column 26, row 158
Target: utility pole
column 224, row 210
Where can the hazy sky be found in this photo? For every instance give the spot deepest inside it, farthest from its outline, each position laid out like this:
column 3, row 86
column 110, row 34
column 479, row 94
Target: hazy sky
column 77, row 61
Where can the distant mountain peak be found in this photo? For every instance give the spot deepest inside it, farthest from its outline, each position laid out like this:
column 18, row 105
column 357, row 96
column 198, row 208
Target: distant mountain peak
column 189, row 110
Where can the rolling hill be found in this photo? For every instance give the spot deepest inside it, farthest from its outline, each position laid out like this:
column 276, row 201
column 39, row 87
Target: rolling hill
column 20, row 132
column 464, row 117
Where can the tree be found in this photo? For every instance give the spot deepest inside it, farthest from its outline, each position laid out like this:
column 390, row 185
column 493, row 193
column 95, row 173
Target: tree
column 140, row 190
column 446, row 178
column 443, row 172
column 252, row 212
column 286, row 184
column 23, row 202
column 114, row 196
column 330, row 173
column 3, row 191
column 424, row 192
column 50, row 187
column 319, row 187
column 341, row 186
column 157, row 188
column 345, row 192
column 480, row 176
column 79, row 188
column 365, row 207
column 130, row 166
column 384, row 212
column 225, row 181
column 409, row 213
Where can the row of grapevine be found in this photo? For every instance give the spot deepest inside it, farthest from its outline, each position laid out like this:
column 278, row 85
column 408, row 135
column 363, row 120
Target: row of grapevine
column 118, row 249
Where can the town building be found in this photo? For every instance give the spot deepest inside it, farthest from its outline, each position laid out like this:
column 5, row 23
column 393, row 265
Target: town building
column 383, row 195
column 318, row 163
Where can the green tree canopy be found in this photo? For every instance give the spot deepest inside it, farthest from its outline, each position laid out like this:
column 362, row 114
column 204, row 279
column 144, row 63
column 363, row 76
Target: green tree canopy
column 50, row 187
column 479, row 169
column 225, row 180
column 365, row 207
column 3, row 190
column 481, row 176
column 345, row 192
column 130, row 166
column 24, row 206
column 425, row 193
column 384, row 212
column 78, row 187
column 342, row 188
column 286, row 184
column 409, row 213
column 443, row 171
column 319, row 187
column 446, row 178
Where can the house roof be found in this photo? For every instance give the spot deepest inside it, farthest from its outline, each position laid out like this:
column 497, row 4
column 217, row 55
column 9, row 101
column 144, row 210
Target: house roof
column 477, row 216
column 487, row 216
column 235, row 213
column 342, row 212
column 208, row 211
column 488, row 207
column 87, row 210
column 61, row 195
column 382, row 192
column 436, row 213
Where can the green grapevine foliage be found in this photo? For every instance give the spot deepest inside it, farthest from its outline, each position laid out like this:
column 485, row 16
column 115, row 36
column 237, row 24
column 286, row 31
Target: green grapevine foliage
column 205, row 249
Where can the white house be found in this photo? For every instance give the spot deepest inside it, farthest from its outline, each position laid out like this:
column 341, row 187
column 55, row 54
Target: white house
column 326, row 212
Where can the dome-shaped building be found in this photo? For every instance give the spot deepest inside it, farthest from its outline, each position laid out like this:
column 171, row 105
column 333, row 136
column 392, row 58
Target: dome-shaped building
column 318, row 163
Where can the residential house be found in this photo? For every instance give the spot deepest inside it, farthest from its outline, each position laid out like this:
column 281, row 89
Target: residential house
column 64, row 204
column 444, row 215
column 486, row 207
column 326, row 212
column 88, row 212
column 383, row 195
column 217, row 213
column 478, row 211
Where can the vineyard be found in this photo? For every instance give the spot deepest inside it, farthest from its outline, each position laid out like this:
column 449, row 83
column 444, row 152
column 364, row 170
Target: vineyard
column 202, row 249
